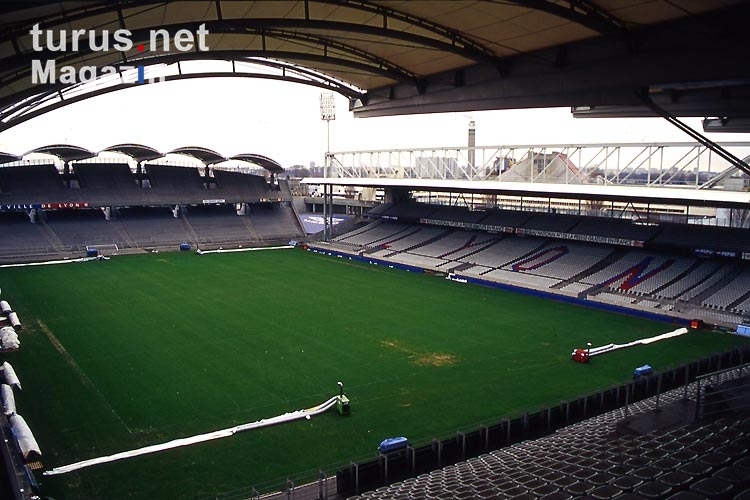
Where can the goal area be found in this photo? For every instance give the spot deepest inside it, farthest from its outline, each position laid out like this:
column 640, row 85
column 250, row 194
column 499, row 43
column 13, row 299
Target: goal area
column 106, row 249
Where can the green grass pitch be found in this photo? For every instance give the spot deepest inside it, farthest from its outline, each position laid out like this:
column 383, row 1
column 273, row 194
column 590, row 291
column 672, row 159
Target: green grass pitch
column 143, row 349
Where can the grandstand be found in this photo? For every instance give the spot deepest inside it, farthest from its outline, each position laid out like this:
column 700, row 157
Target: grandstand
column 105, row 203
column 603, row 259
column 32, row 183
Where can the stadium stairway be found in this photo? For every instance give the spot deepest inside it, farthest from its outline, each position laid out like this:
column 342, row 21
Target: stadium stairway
column 615, row 255
column 695, row 265
column 285, row 189
column 423, row 243
column 355, row 228
column 404, row 233
column 457, row 268
column 50, row 234
column 525, row 256
column 354, row 225
column 742, row 298
column 731, row 271
column 189, row 227
column 479, row 248
column 250, row 227
column 120, row 230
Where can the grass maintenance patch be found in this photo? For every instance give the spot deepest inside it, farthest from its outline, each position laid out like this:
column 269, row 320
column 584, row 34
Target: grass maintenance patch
column 144, row 349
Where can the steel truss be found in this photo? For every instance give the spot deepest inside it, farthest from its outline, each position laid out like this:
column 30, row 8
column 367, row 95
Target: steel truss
column 681, row 164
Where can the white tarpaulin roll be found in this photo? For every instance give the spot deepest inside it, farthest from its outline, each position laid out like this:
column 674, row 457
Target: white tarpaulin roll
column 595, row 351
column 9, row 401
column 9, row 338
column 14, row 321
column 286, row 417
column 29, row 447
column 5, row 308
column 10, row 376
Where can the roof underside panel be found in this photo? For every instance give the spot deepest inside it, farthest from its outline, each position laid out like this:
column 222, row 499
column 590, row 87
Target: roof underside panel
column 655, row 11
column 164, row 14
column 403, row 52
column 636, row 194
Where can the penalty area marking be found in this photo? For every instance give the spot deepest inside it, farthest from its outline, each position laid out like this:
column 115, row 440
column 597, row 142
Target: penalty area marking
column 200, row 438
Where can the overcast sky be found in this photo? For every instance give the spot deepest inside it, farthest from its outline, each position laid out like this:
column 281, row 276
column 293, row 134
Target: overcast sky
column 282, row 121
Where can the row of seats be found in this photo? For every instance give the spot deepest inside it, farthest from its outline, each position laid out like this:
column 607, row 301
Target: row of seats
column 545, row 263
column 106, row 183
column 701, row 460
column 675, row 235
column 72, row 230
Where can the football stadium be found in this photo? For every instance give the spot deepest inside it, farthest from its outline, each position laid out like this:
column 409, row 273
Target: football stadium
column 475, row 322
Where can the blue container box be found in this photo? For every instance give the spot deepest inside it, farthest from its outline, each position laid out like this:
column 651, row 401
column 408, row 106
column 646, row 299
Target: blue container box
column 642, row 370
column 393, row 444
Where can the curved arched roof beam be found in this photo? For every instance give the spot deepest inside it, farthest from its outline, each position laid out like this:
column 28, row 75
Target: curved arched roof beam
column 456, row 38
column 33, row 97
column 65, row 152
column 13, row 116
column 580, row 12
column 138, row 152
column 390, row 68
column 205, row 155
column 260, row 160
column 254, row 27
column 465, row 55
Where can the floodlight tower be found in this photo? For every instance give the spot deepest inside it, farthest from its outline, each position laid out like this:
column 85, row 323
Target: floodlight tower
column 472, row 146
column 327, row 113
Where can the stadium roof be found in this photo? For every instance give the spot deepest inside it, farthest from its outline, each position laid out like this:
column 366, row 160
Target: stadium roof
column 604, row 192
column 65, row 152
column 8, row 157
column 205, row 155
column 396, row 56
column 138, row 152
column 265, row 162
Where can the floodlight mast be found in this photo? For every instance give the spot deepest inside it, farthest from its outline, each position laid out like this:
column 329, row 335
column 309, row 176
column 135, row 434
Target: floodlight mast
column 327, row 113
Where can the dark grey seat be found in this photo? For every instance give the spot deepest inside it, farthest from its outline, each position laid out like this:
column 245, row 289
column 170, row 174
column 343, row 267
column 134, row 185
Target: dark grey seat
column 653, row 489
column 737, row 476
column 604, row 492
column 686, row 495
column 558, row 495
column 579, row 488
column 626, row 482
column 713, row 487
column 647, row 473
column 676, row 479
